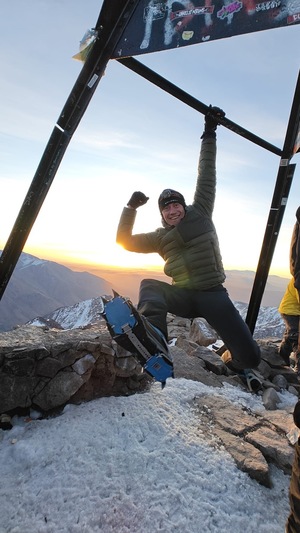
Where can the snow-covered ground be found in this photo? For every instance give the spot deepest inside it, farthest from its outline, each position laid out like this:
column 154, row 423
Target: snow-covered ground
column 136, row 464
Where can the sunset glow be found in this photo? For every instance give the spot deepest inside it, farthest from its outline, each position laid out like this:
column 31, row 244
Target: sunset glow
column 136, row 137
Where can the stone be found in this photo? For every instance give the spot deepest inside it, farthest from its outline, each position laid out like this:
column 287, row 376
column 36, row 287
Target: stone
column 280, row 381
column 270, row 399
column 58, row 391
column 202, row 333
column 213, row 362
column 44, row 369
column 252, row 440
column 189, row 367
column 274, row 447
column 48, row 367
column 247, row 458
column 84, row 364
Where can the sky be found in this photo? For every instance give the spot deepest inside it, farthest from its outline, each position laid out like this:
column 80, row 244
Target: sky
column 134, row 464
column 134, row 136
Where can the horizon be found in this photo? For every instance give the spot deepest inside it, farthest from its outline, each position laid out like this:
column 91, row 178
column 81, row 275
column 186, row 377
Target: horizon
column 126, row 282
column 159, row 268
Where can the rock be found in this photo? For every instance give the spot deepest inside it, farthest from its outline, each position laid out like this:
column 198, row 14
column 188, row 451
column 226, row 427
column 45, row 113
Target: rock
column 280, row 381
column 292, row 390
column 58, row 391
column 178, row 326
column 247, row 458
column 202, row 333
column 270, row 399
column 273, row 446
column 189, row 367
column 44, row 369
column 252, row 440
column 213, row 362
column 186, row 344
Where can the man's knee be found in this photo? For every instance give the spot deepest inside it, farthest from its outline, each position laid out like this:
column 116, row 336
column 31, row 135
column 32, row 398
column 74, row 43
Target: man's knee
column 150, row 285
column 152, row 304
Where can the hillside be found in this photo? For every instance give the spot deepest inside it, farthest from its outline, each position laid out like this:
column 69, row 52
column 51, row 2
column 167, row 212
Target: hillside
column 38, row 287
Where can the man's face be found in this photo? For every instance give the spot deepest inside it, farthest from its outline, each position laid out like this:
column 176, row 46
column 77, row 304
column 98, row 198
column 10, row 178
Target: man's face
column 173, row 213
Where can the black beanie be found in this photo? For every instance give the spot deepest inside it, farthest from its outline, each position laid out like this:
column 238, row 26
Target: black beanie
column 169, row 196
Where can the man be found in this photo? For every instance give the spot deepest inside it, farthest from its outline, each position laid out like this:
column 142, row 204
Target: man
column 289, row 307
column 188, row 243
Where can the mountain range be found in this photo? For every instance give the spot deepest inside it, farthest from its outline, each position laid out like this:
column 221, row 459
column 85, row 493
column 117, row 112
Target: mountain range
column 239, row 283
column 64, row 297
column 38, row 287
column 269, row 322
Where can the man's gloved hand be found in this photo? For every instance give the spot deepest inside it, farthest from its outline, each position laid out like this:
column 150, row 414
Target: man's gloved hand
column 137, row 199
column 211, row 119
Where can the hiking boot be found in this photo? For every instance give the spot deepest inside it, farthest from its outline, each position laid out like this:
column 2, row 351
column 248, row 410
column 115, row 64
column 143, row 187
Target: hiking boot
column 247, row 375
column 252, row 381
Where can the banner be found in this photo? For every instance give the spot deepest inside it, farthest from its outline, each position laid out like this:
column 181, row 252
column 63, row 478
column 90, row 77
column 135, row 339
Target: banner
column 161, row 25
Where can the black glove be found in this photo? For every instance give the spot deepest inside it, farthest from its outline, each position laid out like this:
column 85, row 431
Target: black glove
column 211, row 120
column 137, row 199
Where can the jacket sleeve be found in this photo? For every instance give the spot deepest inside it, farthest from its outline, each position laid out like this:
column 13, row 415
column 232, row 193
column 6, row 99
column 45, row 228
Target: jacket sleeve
column 204, row 198
column 141, row 242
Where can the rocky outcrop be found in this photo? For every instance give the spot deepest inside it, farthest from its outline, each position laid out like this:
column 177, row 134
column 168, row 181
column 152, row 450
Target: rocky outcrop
column 43, row 369
column 47, row 368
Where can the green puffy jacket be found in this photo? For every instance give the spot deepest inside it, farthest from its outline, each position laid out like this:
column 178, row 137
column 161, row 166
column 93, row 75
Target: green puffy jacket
column 191, row 249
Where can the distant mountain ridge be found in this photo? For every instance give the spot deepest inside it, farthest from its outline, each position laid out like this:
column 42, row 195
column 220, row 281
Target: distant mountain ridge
column 239, row 284
column 269, row 322
column 38, row 287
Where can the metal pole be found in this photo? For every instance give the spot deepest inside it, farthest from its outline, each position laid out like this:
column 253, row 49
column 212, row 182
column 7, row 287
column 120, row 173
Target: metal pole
column 92, row 71
column 280, row 197
column 172, row 89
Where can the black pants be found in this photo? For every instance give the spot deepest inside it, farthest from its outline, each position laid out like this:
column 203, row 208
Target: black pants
column 158, row 298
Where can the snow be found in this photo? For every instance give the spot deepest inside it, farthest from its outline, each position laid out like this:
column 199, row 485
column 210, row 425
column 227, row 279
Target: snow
column 269, row 322
column 78, row 315
column 137, row 464
column 74, row 316
column 27, row 260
